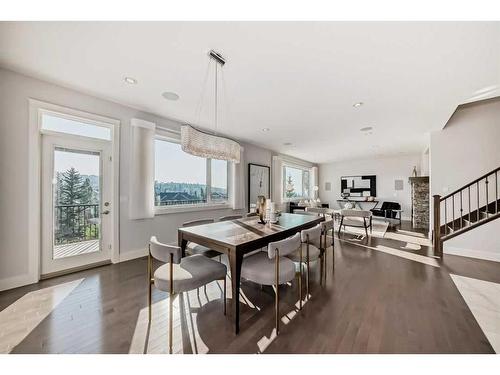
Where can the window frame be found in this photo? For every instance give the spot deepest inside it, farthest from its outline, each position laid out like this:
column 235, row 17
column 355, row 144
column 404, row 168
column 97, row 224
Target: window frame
column 283, row 182
column 92, row 120
column 209, row 205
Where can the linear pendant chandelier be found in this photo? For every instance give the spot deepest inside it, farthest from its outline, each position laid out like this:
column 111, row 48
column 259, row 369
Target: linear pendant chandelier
column 199, row 143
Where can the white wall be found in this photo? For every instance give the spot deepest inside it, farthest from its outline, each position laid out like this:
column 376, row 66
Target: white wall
column 465, row 149
column 424, row 163
column 15, row 90
column 387, row 169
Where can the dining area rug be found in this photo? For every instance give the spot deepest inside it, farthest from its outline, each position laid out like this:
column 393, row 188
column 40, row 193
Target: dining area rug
column 379, row 228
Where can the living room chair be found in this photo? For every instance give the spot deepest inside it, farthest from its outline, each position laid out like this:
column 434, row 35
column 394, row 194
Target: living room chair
column 352, row 218
column 273, row 268
column 387, row 210
column 179, row 275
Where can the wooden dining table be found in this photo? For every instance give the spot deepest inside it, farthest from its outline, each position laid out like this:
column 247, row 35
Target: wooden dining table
column 239, row 237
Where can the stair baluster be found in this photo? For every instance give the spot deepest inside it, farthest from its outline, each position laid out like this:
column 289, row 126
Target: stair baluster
column 464, row 222
column 461, row 212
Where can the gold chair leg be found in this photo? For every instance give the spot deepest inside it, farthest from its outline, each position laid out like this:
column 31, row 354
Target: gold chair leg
column 224, row 295
column 277, row 298
column 149, row 287
column 325, row 257
column 321, row 260
column 149, row 302
column 171, row 304
column 321, row 270
column 300, row 279
column 170, row 323
column 307, row 271
column 333, row 253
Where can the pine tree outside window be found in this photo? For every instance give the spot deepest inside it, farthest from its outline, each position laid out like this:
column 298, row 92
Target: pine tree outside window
column 295, row 183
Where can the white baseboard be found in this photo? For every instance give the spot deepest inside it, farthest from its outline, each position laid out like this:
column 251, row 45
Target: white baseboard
column 16, row 281
column 26, row 279
column 129, row 255
column 478, row 254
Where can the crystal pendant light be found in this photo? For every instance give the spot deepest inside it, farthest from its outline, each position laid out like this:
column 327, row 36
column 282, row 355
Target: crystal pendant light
column 199, row 143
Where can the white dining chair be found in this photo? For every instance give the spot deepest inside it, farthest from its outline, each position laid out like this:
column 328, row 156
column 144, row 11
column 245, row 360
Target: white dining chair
column 309, row 251
column 180, row 275
column 273, row 268
column 326, row 227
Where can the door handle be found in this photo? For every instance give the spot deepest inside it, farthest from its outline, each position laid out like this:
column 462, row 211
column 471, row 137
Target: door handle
column 105, row 212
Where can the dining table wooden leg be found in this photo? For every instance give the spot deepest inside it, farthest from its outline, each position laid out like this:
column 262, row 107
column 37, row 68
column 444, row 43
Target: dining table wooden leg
column 235, row 262
column 182, row 243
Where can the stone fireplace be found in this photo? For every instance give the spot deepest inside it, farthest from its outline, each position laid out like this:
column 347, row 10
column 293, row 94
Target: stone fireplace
column 420, row 201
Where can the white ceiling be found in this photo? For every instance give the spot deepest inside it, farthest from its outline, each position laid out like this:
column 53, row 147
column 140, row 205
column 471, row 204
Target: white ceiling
column 300, row 79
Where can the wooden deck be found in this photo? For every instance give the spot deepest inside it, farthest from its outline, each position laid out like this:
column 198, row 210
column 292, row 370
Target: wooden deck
column 77, row 248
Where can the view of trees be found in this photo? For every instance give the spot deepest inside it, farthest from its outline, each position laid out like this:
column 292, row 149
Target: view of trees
column 76, row 206
column 290, row 188
column 296, row 182
column 173, row 193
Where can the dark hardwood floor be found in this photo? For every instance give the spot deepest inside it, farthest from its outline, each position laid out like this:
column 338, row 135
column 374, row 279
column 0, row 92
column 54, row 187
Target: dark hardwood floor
column 374, row 301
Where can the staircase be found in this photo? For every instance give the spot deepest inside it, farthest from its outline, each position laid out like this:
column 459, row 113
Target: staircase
column 473, row 205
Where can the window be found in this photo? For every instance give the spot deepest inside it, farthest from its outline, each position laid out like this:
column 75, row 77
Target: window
column 61, row 124
column 183, row 179
column 218, row 186
column 295, row 182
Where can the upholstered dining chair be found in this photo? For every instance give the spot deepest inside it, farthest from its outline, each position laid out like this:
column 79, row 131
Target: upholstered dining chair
column 273, row 268
column 230, row 217
column 193, row 248
column 310, row 249
column 355, row 218
column 179, row 275
column 326, row 227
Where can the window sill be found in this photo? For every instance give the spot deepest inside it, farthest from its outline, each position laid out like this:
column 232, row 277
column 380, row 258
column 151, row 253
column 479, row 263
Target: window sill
column 164, row 210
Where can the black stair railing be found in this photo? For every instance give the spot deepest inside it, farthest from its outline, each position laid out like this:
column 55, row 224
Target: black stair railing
column 468, row 207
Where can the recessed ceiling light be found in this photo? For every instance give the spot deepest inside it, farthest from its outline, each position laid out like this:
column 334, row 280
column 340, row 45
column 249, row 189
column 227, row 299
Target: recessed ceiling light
column 130, row 80
column 366, row 129
column 265, row 129
column 357, row 105
column 170, row 95
column 287, row 144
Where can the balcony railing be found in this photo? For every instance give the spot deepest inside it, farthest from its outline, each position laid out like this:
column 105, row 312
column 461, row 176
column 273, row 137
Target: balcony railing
column 181, row 202
column 76, row 222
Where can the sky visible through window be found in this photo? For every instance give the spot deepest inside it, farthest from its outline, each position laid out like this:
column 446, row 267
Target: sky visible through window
column 85, row 163
column 181, row 178
column 62, row 125
column 174, row 165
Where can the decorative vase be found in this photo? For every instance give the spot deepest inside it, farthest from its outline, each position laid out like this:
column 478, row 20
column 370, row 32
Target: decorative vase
column 261, row 208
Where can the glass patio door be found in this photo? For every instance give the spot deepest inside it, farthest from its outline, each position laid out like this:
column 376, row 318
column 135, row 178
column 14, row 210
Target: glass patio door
column 75, row 203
